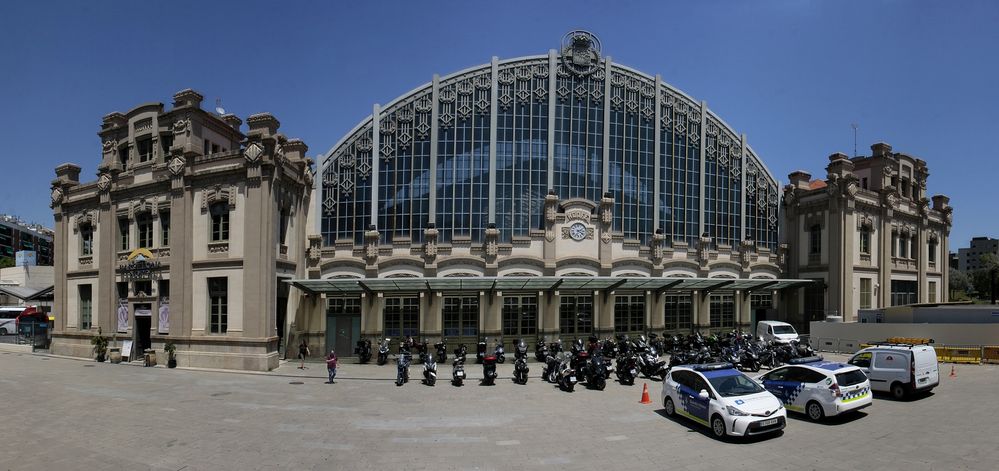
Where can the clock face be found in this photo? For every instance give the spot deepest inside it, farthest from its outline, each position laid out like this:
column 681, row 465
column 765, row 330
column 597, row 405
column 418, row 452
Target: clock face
column 577, row 231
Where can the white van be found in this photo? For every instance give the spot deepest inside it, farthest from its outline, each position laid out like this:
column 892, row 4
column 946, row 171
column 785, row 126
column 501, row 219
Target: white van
column 899, row 369
column 8, row 319
column 777, row 331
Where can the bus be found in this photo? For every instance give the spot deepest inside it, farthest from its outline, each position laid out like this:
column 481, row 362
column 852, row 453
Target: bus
column 8, row 319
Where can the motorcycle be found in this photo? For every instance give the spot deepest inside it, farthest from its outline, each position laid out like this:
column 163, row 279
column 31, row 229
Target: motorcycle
column 595, row 372
column 461, row 352
column 383, row 350
column 422, row 351
column 441, row 351
column 402, row 363
column 499, row 352
column 566, row 375
column 627, row 369
column 429, row 370
column 363, row 350
column 458, row 371
column 550, row 370
column 541, row 350
column 520, row 368
column 489, row 370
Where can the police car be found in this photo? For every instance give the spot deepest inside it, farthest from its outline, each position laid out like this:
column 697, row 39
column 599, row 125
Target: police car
column 721, row 397
column 818, row 388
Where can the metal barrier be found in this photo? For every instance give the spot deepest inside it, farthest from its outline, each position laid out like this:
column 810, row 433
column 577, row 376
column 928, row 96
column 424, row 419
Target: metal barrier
column 909, row 340
column 967, row 354
column 990, row 354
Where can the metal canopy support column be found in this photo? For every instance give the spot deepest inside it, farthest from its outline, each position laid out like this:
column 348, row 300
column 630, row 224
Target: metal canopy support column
column 664, row 289
column 605, row 180
column 704, row 144
column 718, row 285
column 434, row 97
column 742, row 194
column 376, row 122
column 552, row 75
column 492, row 139
column 657, row 155
column 761, row 287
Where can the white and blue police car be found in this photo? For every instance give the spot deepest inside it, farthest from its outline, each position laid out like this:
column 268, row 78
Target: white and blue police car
column 722, row 398
column 818, row 388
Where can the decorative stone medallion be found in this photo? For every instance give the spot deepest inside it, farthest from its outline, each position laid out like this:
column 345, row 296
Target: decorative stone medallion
column 581, row 52
column 176, row 165
column 104, row 182
column 252, row 152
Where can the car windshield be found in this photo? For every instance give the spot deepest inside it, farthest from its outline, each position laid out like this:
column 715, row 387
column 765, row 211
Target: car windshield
column 784, row 329
column 735, row 385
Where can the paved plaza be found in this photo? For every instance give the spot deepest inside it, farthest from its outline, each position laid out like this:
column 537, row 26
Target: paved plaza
column 74, row 414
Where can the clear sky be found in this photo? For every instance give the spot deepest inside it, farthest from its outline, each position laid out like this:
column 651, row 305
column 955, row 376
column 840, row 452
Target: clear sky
column 792, row 75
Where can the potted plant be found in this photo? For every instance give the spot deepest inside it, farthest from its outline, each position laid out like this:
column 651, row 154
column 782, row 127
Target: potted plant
column 170, row 348
column 100, row 344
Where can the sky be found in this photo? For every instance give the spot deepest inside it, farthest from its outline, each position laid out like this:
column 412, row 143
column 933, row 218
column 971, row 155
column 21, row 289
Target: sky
column 793, row 75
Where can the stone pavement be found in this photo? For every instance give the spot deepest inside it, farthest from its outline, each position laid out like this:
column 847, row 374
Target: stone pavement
column 74, row 414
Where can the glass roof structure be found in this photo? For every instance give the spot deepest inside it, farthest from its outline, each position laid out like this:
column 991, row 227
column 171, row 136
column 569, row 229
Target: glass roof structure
column 356, row 286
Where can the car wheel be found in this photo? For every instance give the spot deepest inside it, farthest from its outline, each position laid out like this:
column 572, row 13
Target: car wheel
column 718, row 426
column 3, row 331
column 669, row 406
column 898, row 391
column 815, row 412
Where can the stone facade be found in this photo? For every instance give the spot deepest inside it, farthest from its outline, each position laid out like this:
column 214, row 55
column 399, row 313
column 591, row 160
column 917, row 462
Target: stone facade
column 868, row 233
column 192, row 225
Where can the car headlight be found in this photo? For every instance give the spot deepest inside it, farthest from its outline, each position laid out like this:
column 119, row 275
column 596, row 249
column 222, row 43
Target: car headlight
column 734, row 411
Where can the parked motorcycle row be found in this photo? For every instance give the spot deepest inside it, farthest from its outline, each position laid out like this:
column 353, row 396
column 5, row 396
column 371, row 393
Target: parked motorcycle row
column 591, row 364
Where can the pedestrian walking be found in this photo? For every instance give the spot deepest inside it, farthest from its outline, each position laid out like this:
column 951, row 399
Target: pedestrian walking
column 331, row 361
column 303, row 351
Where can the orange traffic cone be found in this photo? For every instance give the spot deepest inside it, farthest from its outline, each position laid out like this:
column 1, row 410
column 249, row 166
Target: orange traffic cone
column 645, row 395
column 953, row 374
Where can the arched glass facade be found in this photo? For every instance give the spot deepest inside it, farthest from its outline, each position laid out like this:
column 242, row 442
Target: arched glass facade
column 485, row 145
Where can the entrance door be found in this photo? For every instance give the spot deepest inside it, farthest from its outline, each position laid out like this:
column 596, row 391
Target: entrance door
column 461, row 322
column 343, row 326
column 143, row 324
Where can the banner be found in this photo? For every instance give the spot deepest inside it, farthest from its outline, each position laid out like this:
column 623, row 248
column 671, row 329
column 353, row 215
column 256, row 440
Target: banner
column 122, row 315
column 164, row 325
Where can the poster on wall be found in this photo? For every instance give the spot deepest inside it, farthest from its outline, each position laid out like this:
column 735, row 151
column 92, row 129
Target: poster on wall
column 126, row 350
column 164, row 324
column 122, row 315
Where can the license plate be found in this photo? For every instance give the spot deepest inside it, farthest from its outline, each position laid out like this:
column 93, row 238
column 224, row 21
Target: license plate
column 572, row 378
column 923, row 380
column 634, row 373
column 769, row 422
column 461, row 375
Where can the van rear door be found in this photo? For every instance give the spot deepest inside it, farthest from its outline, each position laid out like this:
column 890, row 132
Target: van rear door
column 926, row 372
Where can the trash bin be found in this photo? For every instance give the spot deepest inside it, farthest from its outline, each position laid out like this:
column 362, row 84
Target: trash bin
column 150, row 357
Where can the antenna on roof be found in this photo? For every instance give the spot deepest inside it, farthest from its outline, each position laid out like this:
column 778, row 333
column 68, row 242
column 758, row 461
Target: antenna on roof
column 854, row 126
column 220, row 110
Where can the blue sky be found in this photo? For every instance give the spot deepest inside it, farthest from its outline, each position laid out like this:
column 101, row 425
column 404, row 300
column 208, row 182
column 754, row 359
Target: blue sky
column 792, row 75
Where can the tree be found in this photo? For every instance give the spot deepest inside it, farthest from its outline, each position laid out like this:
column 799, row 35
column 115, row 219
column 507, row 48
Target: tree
column 982, row 279
column 959, row 282
column 6, row 262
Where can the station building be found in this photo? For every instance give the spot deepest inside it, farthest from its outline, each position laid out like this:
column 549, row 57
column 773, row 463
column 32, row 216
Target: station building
column 557, row 195
column 184, row 237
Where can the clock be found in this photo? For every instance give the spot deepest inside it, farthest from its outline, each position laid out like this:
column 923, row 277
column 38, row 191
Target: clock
column 577, row 231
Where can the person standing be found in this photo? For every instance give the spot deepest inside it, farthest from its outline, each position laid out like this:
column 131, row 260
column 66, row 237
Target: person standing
column 303, row 351
column 331, row 362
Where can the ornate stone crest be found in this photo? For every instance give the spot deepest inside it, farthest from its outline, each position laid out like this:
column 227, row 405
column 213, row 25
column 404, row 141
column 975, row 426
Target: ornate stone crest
column 56, row 196
column 253, row 152
column 181, row 126
column 581, row 52
column 110, row 144
column 176, row 165
column 104, row 182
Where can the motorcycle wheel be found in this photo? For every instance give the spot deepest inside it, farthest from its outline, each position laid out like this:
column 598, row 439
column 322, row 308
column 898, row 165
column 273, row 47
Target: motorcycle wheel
column 600, row 383
column 754, row 366
column 431, row 381
column 501, row 360
column 381, row 361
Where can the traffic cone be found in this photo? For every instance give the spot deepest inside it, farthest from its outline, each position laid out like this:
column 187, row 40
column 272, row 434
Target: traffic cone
column 953, row 374
column 645, row 395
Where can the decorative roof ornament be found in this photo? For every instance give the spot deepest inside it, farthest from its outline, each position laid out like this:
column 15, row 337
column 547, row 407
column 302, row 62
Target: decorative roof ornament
column 581, row 52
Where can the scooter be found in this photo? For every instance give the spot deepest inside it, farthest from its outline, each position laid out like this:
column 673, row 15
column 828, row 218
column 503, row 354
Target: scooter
column 541, row 350
column 429, row 370
column 595, row 372
column 489, row 370
column 566, row 376
column 383, row 350
column 480, row 351
column 499, row 352
column 402, row 362
column 441, row 351
column 458, row 371
column 422, row 351
column 627, row 369
column 520, row 368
